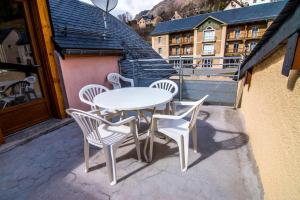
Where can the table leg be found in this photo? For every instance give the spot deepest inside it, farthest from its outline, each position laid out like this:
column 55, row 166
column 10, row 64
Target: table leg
column 150, row 139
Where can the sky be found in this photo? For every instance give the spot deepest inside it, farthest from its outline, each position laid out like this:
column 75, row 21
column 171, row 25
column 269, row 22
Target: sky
column 132, row 6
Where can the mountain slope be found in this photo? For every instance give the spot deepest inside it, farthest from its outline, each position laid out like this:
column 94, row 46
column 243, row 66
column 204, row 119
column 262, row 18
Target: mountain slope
column 167, row 8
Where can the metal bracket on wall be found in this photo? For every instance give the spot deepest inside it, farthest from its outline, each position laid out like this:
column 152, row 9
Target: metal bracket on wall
column 2, row 141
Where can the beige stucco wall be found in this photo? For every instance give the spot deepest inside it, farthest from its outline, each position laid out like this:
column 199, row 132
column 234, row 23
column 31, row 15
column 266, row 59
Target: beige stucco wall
column 81, row 71
column 272, row 115
column 164, row 45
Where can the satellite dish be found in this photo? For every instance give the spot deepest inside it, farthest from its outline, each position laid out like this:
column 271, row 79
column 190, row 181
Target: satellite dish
column 107, row 6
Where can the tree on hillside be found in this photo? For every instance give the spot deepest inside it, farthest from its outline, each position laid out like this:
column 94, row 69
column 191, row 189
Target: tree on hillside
column 125, row 17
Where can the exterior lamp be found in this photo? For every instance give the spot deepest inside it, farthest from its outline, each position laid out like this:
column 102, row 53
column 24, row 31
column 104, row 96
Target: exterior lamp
column 106, row 6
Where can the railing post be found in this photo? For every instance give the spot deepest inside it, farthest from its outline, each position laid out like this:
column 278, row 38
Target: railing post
column 133, row 73
column 237, row 83
column 180, row 78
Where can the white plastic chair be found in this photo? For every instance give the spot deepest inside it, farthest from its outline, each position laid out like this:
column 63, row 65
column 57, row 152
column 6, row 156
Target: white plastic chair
column 169, row 86
column 87, row 95
column 14, row 92
column 107, row 135
column 115, row 78
column 177, row 128
column 30, row 89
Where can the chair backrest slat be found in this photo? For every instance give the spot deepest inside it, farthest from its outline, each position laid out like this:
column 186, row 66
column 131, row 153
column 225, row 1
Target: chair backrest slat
column 17, row 89
column 167, row 85
column 88, row 123
column 88, row 93
column 31, row 80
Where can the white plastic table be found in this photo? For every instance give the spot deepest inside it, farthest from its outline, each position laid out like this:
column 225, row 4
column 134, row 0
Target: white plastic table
column 132, row 98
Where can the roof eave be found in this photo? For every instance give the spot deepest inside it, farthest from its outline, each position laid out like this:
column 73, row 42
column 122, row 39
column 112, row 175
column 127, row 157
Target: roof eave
column 92, row 52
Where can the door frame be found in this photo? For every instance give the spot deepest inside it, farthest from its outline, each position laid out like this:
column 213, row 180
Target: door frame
column 51, row 105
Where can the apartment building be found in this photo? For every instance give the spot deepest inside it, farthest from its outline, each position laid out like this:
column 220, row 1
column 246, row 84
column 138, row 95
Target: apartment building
column 225, row 33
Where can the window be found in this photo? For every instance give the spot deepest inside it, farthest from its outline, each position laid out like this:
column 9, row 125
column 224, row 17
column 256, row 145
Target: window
column 159, row 40
column 209, row 34
column 252, row 45
column 177, row 51
column 188, row 37
column 160, row 50
column 236, row 47
column 206, row 63
column 208, row 49
column 237, row 33
column 254, row 31
column 177, row 39
column 187, row 50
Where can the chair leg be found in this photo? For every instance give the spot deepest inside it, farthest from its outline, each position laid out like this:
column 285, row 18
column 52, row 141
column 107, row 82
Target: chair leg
column 195, row 139
column 86, row 149
column 186, row 150
column 151, row 146
column 110, row 155
column 181, row 152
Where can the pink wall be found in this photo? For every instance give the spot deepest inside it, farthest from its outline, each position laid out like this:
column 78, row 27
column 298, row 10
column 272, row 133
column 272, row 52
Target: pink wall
column 80, row 71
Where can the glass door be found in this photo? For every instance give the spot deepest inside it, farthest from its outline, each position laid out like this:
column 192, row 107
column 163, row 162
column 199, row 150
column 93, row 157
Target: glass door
column 22, row 92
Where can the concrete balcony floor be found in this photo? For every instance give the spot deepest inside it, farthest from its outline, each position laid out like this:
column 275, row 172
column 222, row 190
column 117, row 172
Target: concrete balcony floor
column 52, row 166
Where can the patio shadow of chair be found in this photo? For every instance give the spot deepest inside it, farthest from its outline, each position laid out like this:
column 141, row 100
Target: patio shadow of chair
column 165, row 151
column 207, row 145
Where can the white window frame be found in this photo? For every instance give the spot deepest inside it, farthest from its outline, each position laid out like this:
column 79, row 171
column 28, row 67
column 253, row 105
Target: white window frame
column 188, row 37
column 236, row 50
column 252, row 45
column 177, row 39
column 207, row 36
column 159, row 40
column 237, row 33
column 177, row 53
column 208, row 51
column 254, row 34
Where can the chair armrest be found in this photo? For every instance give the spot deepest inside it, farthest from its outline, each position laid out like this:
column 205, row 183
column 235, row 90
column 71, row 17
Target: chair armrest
column 184, row 103
column 97, row 112
column 174, row 117
column 127, row 80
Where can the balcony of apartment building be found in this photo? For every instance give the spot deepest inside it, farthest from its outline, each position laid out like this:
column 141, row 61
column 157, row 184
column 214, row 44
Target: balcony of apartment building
column 249, row 35
column 234, row 51
column 234, row 36
column 181, row 39
column 254, row 35
column 183, row 51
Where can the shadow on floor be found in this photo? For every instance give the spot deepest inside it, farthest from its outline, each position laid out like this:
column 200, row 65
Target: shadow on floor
column 207, row 146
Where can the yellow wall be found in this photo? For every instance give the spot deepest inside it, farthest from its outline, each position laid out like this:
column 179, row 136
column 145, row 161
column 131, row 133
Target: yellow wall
column 272, row 115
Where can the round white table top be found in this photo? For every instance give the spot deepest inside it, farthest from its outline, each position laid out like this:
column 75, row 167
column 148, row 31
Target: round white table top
column 132, row 98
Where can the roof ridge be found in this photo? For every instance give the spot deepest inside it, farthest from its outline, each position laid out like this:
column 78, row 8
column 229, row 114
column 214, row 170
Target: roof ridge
column 226, row 11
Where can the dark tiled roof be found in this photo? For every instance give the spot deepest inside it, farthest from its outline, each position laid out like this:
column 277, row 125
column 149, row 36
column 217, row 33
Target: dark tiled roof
column 234, row 16
column 78, row 25
column 4, row 33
